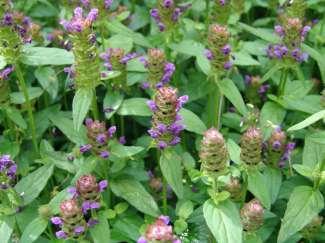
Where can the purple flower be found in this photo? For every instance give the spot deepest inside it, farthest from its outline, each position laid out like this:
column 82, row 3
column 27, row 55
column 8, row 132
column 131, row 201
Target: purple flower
column 226, row 49
column 61, row 234
column 92, row 222
column 85, row 148
column 161, row 26
column 176, row 14
column 164, row 218
column 228, row 65
column 182, row 101
column 104, row 154
column 153, row 133
column 144, row 61
column 122, row 140
column 101, row 139
column 291, row 146
column 94, row 205
column 128, row 57
column 7, row 19
column 111, row 131
column 142, row 239
column 305, row 31
column 108, row 3
column 154, row 13
column 152, row 105
column 276, row 144
column 208, row 54
column 72, row 191
column 102, row 185
column 168, row 3
column 85, row 2
column 85, row 206
column 162, row 145
column 79, row 230
column 5, row 73
column 162, row 128
column 298, row 55
column 176, row 128
column 145, row 85
column 279, row 30
column 222, row 2
column 56, row 221
column 176, row 140
column 88, row 122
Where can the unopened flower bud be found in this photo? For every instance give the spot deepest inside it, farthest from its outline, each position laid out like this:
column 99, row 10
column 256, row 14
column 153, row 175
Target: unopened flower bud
column 252, row 215
column 45, row 211
column 251, row 146
column 235, row 189
column 213, row 153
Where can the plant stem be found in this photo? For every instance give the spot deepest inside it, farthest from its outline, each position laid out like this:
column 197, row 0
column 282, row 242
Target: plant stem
column 283, row 81
column 95, row 107
column 217, row 99
column 31, row 120
column 164, row 194
column 122, row 125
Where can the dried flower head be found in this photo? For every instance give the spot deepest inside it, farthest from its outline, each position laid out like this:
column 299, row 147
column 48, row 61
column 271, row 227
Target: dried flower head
column 251, row 146
column 213, row 153
column 252, row 215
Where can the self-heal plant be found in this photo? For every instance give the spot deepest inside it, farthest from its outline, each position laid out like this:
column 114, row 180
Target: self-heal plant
column 166, row 120
column 98, row 137
column 4, row 84
column 86, row 77
column 78, row 214
column 167, row 13
column 252, row 215
column 115, row 59
column 159, row 231
column 159, row 69
column 251, row 146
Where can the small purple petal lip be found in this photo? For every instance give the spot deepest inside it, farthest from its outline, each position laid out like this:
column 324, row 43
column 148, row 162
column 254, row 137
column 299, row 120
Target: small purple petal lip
column 164, row 218
column 79, row 230
column 104, row 154
column 142, row 239
column 56, row 220
column 72, row 191
column 61, row 234
column 102, row 185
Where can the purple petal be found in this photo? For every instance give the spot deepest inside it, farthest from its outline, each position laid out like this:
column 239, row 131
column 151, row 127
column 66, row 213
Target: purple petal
column 102, row 185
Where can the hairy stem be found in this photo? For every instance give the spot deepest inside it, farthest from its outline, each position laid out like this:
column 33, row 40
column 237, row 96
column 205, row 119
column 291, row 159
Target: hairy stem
column 31, row 119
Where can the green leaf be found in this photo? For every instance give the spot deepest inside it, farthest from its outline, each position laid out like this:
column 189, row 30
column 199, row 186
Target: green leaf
column 31, row 185
column 15, row 115
column 270, row 72
column 234, row 151
column 304, row 204
column 192, row 122
column 121, row 41
column 316, row 55
column 18, row 98
column 314, row 150
column 135, row 107
column 229, row 89
column 273, row 179
column 171, row 168
column 2, row 62
column 33, row 230
column 185, row 209
column 6, row 229
column 122, row 30
column 38, row 56
column 80, row 106
column 223, row 220
column 101, row 232
column 258, row 186
column 46, row 76
column 271, row 113
column 66, row 126
column 132, row 191
column 304, row 170
column 308, row 121
column 112, row 101
column 244, row 59
column 264, row 34
column 122, row 151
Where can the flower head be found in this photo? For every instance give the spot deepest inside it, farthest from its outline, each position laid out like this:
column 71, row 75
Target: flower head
column 252, row 215
column 251, row 146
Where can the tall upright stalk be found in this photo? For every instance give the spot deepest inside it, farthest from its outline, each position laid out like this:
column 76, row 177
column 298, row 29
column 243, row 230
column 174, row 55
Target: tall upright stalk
column 31, row 119
column 283, row 81
column 95, row 107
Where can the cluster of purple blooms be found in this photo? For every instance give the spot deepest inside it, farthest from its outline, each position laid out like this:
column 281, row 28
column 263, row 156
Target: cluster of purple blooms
column 20, row 24
column 225, row 51
column 292, row 33
column 167, row 71
column 167, row 14
column 280, row 51
column 4, row 74
column 98, row 138
column 74, row 217
column 79, row 23
column 107, row 58
column 8, row 170
column 166, row 131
